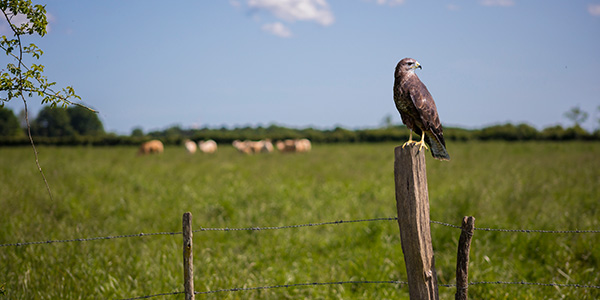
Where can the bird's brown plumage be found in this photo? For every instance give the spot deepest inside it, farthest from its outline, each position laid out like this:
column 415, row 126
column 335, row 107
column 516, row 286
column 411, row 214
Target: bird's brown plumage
column 417, row 108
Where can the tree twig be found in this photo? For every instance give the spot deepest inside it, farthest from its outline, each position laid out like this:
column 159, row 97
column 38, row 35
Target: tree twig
column 21, row 89
column 37, row 161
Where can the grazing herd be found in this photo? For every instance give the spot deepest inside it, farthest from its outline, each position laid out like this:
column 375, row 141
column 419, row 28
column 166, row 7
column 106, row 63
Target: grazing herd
column 266, row 146
column 246, row 147
column 209, row 146
column 251, row 147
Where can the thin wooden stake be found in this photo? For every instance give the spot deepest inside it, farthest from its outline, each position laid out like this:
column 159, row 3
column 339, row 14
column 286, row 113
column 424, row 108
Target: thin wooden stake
column 412, row 202
column 188, row 259
column 462, row 259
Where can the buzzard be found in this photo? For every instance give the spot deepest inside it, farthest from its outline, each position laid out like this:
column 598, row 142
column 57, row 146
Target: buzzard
column 417, row 109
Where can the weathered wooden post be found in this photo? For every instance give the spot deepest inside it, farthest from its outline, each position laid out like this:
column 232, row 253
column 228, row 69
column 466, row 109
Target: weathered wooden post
column 462, row 258
column 188, row 259
column 412, row 202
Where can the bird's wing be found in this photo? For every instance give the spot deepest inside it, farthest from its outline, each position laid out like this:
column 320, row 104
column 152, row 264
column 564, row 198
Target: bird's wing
column 426, row 108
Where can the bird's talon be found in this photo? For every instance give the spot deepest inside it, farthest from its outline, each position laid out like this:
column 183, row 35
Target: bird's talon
column 421, row 145
column 410, row 142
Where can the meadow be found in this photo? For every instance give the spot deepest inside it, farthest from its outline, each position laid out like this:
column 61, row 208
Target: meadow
column 108, row 191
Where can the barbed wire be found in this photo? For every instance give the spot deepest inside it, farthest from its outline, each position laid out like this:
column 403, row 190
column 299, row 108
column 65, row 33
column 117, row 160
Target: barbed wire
column 91, row 239
column 303, row 284
column 152, row 296
column 278, row 286
column 445, row 224
column 572, row 285
column 198, row 230
column 257, row 228
column 537, row 230
column 295, row 226
column 519, row 230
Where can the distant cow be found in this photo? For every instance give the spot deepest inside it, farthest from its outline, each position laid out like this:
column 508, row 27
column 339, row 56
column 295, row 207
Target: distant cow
column 301, row 145
column 190, row 146
column 267, row 146
column 286, row 146
column 250, row 147
column 153, row 146
column 242, row 147
column 208, row 146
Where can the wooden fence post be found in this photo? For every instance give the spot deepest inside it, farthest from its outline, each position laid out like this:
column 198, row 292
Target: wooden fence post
column 412, row 202
column 188, row 259
column 462, row 259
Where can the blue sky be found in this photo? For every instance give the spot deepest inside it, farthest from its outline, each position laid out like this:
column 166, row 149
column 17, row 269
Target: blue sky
column 322, row 63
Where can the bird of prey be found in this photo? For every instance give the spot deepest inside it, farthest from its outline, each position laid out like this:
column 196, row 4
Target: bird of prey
column 417, row 109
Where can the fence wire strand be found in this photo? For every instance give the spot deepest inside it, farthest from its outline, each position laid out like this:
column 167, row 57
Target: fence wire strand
column 291, row 285
column 257, row 228
column 295, row 226
column 91, row 239
column 152, row 296
column 571, row 285
column 198, row 230
column 518, row 230
column 302, row 284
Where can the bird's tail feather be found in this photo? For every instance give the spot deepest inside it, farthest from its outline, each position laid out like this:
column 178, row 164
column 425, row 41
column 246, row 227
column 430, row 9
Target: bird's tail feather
column 438, row 150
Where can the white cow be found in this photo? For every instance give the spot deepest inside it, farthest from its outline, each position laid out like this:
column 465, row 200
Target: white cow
column 190, row 146
column 242, row 147
column 209, row 146
column 303, row 145
column 267, row 146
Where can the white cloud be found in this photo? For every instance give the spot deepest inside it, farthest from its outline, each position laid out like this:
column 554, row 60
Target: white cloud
column 277, row 29
column 19, row 20
column 50, row 18
column 389, row 2
column 296, row 10
column 16, row 20
column 503, row 3
column 594, row 10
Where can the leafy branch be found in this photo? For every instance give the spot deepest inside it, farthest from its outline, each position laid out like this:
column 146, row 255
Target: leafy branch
column 20, row 81
column 16, row 85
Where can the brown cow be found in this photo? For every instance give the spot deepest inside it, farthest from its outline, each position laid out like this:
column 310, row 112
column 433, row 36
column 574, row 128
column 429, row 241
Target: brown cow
column 153, row 146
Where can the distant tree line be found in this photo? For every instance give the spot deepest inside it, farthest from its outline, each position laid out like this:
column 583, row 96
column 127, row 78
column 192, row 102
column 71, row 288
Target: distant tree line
column 79, row 126
column 54, row 123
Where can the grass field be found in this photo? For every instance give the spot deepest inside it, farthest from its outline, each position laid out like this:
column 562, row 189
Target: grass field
column 110, row 191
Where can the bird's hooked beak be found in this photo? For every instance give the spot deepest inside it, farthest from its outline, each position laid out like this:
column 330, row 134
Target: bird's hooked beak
column 417, row 65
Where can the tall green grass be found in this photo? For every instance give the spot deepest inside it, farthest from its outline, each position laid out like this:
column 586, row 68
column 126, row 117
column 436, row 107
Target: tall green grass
column 110, row 191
